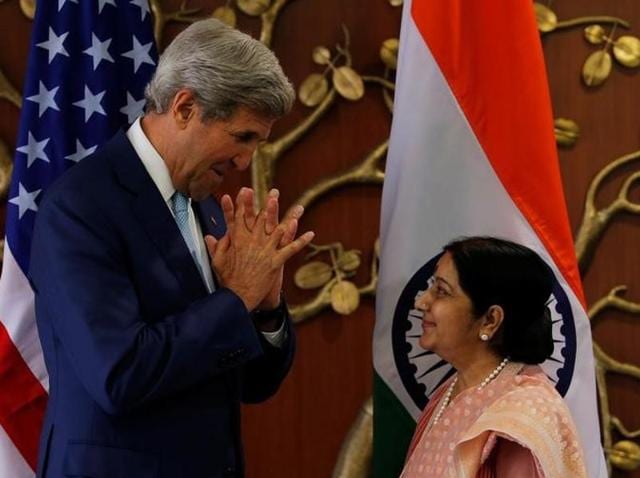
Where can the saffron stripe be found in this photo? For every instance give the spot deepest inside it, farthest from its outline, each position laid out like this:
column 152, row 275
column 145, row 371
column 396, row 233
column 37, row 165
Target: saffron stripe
column 509, row 110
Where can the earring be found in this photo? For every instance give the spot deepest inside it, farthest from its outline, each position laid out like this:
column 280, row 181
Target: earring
column 484, row 337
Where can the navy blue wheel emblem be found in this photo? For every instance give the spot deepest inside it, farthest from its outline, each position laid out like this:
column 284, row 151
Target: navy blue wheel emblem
column 422, row 371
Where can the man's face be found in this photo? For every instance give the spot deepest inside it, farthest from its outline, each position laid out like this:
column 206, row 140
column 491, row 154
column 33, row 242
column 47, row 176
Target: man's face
column 204, row 151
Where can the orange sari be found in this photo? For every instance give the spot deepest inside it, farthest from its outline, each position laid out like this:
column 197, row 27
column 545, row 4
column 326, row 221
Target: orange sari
column 517, row 425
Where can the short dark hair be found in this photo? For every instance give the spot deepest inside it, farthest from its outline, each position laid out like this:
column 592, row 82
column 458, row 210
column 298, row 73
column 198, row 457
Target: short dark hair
column 495, row 271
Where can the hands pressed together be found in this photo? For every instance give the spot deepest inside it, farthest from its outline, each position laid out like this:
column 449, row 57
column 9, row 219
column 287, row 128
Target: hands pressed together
column 250, row 258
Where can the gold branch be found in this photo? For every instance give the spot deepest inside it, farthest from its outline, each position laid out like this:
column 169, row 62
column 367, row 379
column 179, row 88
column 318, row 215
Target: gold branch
column 355, row 458
column 367, row 171
column 618, row 425
column 380, row 81
column 266, row 155
column 594, row 221
column 614, row 299
column 161, row 18
column 269, row 18
column 590, row 20
column 6, row 166
column 8, row 92
column 322, row 299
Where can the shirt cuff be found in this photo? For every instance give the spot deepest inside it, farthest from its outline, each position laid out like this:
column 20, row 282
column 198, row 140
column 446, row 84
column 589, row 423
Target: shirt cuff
column 277, row 338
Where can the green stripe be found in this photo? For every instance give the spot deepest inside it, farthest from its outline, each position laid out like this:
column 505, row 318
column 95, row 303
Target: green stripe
column 392, row 431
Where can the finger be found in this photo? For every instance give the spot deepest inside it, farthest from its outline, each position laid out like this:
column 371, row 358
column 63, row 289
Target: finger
column 227, row 210
column 224, row 244
column 275, row 239
column 293, row 215
column 295, row 212
column 212, row 244
column 272, row 210
column 284, row 254
column 249, row 209
column 290, row 229
column 261, row 221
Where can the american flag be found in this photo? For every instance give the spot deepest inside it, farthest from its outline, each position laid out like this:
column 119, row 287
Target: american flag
column 88, row 65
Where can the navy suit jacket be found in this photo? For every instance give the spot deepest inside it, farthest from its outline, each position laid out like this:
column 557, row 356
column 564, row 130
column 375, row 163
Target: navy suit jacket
column 146, row 368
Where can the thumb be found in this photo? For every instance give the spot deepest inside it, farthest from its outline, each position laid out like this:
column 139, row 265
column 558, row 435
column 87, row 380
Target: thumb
column 212, row 245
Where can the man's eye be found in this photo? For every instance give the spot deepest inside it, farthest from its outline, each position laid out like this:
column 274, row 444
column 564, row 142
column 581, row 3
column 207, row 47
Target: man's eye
column 244, row 137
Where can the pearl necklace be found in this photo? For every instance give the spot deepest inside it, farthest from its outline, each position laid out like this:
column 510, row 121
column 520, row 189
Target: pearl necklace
column 484, row 383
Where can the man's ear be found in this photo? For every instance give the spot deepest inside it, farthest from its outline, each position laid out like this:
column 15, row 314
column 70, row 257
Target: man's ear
column 183, row 107
column 492, row 320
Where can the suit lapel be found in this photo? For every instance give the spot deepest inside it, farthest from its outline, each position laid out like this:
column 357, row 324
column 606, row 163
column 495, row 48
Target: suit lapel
column 153, row 214
column 211, row 218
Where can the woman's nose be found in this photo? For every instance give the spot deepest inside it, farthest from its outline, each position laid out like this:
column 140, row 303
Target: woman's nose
column 422, row 301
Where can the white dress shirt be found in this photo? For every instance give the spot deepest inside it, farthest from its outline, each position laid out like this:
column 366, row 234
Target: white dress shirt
column 157, row 169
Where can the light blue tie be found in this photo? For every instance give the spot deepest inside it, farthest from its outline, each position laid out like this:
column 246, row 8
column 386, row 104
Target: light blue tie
column 180, row 208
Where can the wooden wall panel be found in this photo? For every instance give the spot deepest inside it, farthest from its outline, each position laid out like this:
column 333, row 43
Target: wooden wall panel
column 299, row 432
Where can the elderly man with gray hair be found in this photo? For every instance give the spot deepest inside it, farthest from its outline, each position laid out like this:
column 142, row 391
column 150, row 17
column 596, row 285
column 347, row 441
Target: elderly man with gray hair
column 159, row 309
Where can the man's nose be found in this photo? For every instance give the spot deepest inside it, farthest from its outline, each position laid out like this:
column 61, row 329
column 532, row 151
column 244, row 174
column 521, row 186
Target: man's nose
column 243, row 160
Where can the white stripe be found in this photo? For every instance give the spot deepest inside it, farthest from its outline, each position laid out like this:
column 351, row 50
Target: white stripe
column 18, row 316
column 440, row 185
column 11, row 462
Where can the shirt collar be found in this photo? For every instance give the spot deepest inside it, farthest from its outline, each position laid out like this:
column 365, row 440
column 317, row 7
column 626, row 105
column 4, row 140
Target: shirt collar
column 151, row 159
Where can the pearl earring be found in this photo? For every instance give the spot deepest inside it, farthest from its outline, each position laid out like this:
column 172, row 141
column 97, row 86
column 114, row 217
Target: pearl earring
column 484, row 337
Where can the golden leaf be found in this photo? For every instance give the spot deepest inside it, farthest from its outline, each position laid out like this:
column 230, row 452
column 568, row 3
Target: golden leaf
column 313, row 275
column 28, row 7
column 8, row 91
column 345, row 297
column 567, row 131
column 349, row 261
column 389, row 53
column 545, row 18
column 625, row 455
column 321, row 55
column 254, row 7
column 626, row 49
column 6, row 166
column 225, row 14
column 348, row 83
column 313, row 90
column 597, row 68
column 594, row 34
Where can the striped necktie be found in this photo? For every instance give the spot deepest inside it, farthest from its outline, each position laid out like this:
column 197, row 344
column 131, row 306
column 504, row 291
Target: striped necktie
column 180, row 208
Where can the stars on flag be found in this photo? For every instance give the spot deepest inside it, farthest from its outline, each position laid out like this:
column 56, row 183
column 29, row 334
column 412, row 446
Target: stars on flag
column 54, row 45
column 139, row 54
column 144, row 7
column 62, row 2
column 102, row 3
column 99, row 50
column 25, row 200
column 133, row 108
column 81, row 152
column 45, row 99
column 34, row 150
column 91, row 103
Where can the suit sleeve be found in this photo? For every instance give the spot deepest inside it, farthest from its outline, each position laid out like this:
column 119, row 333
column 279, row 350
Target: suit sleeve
column 263, row 375
column 84, row 293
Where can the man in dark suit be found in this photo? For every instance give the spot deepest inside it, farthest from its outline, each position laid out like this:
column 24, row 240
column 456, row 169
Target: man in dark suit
column 159, row 310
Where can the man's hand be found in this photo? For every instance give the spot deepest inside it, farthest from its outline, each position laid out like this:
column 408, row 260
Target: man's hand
column 249, row 259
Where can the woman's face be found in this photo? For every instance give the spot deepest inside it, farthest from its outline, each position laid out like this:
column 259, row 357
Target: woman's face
column 448, row 326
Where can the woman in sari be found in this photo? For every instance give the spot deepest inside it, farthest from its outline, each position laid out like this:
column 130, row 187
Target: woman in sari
column 485, row 312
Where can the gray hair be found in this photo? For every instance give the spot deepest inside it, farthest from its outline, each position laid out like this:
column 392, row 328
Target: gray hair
column 224, row 69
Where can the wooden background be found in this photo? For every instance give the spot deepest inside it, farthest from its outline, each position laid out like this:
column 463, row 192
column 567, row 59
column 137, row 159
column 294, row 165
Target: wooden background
column 300, row 431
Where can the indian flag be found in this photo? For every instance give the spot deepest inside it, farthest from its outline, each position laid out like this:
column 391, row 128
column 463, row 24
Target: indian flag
column 472, row 152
